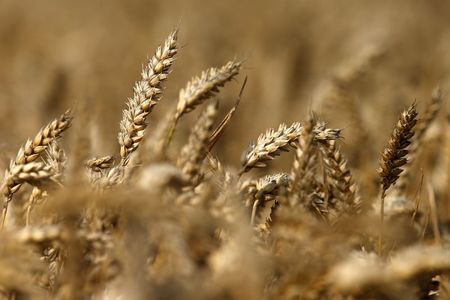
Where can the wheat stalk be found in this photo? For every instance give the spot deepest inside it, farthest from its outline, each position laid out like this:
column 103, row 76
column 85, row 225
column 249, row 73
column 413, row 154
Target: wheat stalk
column 215, row 136
column 35, row 196
column 147, row 93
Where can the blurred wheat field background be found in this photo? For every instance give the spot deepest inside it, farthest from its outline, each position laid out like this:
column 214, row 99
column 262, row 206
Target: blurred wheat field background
column 188, row 202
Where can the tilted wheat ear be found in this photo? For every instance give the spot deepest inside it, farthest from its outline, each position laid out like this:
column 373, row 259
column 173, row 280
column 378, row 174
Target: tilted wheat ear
column 269, row 145
column 29, row 153
column 205, row 86
column 199, row 89
column 147, row 93
column 272, row 143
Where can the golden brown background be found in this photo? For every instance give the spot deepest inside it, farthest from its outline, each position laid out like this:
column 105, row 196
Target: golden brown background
column 55, row 53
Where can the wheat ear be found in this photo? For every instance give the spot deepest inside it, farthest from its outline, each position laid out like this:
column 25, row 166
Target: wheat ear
column 304, row 162
column 147, row 93
column 273, row 142
column 29, row 153
column 340, row 177
column 423, row 124
column 394, row 155
column 269, row 145
column 34, row 173
column 201, row 88
column 205, row 86
column 194, row 152
column 267, row 188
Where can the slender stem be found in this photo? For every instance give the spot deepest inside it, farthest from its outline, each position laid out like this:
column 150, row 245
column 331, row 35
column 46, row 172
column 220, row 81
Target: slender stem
column 255, row 208
column 171, row 132
column 29, row 208
column 434, row 214
column 4, row 212
column 380, row 240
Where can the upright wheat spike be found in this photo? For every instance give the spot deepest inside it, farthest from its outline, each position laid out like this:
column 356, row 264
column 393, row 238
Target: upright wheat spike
column 29, row 153
column 194, row 152
column 340, row 178
column 305, row 155
column 394, row 155
column 423, row 124
column 147, row 93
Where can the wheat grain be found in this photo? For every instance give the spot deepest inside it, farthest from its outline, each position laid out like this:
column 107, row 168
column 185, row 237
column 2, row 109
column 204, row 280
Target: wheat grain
column 98, row 164
column 34, row 148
